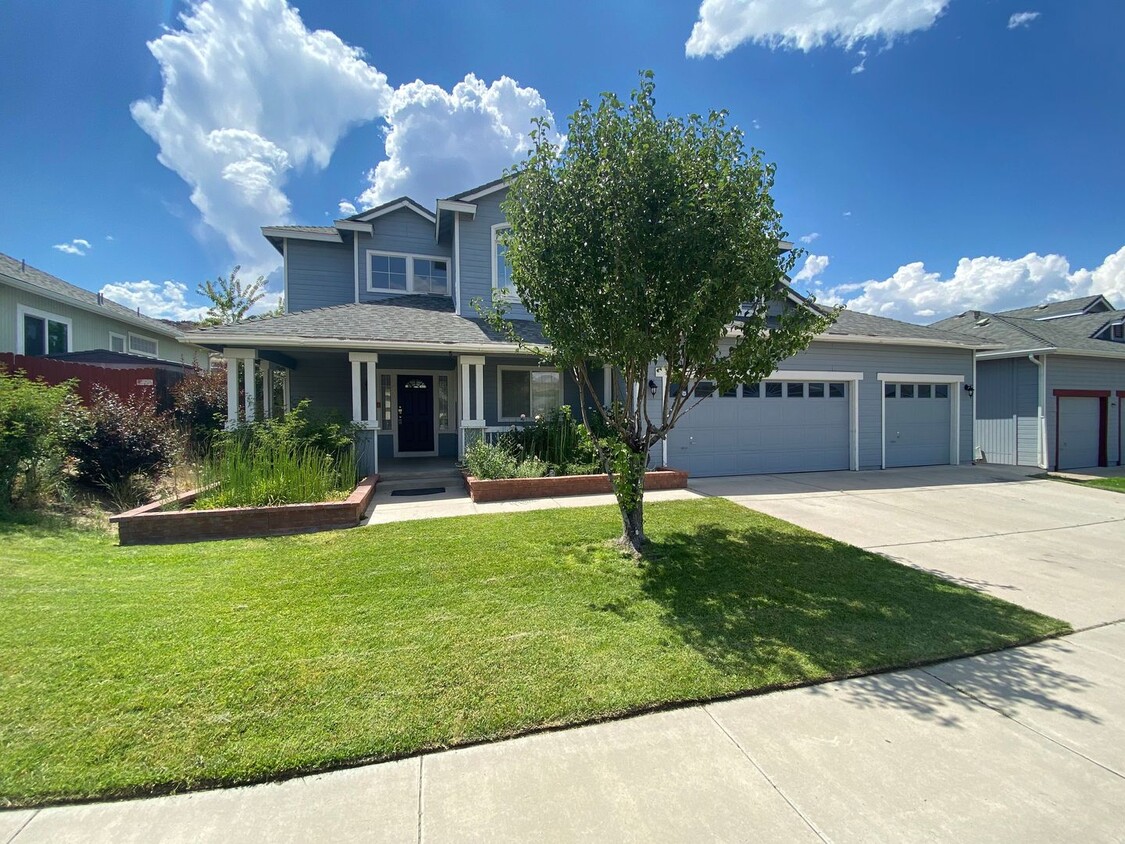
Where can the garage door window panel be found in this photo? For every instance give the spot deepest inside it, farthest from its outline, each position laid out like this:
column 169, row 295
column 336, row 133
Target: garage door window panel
column 816, row 391
column 751, row 391
column 837, row 390
column 795, row 390
column 773, row 390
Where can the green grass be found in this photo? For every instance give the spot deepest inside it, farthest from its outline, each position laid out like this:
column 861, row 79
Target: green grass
column 1112, row 484
column 138, row 670
column 266, row 474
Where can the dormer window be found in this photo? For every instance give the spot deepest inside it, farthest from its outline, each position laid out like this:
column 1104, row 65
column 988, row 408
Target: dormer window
column 395, row 272
column 1117, row 332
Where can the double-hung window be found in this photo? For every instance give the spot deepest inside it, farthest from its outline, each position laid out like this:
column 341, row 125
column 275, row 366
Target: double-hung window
column 394, row 272
column 41, row 333
column 501, row 269
column 527, row 393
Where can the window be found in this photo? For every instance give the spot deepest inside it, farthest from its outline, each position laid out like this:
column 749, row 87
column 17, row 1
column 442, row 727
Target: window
column 941, row 391
column 751, row 391
column 501, row 270
column 443, row 403
column 924, row 391
column 141, row 345
column 1117, row 332
column 906, row 391
column 116, row 342
column 773, row 389
column 704, row 389
column 528, row 393
column 41, row 333
column 836, row 390
column 795, row 390
column 889, row 391
column 732, row 393
column 390, row 272
column 384, row 402
column 816, row 391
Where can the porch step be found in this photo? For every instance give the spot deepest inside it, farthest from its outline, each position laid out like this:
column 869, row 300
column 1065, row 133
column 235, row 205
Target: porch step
column 421, row 476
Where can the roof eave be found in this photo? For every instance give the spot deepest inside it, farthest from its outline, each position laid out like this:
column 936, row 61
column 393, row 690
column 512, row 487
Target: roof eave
column 342, row 343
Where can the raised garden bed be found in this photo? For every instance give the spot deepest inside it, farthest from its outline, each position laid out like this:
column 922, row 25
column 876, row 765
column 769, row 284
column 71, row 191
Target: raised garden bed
column 165, row 522
column 511, row 489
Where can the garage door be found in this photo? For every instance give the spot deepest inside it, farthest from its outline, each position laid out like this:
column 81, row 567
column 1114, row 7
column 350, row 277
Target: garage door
column 1079, row 430
column 918, row 419
column 774, row 426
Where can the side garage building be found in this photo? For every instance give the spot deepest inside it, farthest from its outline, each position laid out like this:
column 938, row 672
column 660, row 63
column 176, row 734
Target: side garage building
column 1051, row 396
column 869, row 393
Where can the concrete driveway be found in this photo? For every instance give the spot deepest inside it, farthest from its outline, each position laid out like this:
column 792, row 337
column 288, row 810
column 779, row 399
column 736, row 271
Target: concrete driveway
column 1047, row 545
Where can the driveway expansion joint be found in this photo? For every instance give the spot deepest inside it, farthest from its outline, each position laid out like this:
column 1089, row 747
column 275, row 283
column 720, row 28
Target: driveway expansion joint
column 23, row 826
column 995, row 535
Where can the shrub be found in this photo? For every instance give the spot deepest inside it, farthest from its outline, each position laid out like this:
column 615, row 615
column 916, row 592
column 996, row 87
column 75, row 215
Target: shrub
column 199, row 406
column 304, row 426
column 126, row 437
column 37, row 422
column 532, row 467
column 489, row 461
column 264, row 473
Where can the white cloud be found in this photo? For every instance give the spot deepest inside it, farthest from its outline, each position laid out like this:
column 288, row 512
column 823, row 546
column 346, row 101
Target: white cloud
column 723, row 25
column 814, row 266
column 1023, row 19
column 346, row 208
column 166, row 301
column 77, row 246
column 250, row 94
column 847, row 213
column 109, row 237
column 439, row 142
column 810, row 237
column 915, row 294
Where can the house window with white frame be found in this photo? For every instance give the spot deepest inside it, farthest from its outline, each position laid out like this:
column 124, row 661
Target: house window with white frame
column 527, row 393
column 139, row 344
column 392, row 272
column 501, row 269
column 116, row 342
column 41, row 333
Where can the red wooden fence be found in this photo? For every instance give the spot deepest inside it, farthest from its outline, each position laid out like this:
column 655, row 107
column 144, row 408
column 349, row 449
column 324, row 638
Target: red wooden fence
column 124, row 382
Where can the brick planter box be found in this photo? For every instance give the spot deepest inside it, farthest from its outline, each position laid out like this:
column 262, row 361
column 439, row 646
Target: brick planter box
column 511, row 489
column 154, row 525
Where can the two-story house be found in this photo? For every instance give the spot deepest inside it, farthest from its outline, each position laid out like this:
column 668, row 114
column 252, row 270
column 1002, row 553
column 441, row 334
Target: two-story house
column 1051, row 392
column 46, row 316
column 380, row 325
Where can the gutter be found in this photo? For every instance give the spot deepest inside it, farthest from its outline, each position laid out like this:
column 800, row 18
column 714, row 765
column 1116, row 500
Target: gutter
column 260, row 340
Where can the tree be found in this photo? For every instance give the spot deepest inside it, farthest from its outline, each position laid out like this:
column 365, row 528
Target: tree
column 647, row 242
column 230, row 301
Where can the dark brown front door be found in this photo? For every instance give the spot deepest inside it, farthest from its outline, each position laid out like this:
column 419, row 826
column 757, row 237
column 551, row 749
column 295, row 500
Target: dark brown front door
column 415, row 413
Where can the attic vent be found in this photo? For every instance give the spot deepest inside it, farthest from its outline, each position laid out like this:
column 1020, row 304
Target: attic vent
column 1042, row 307
column 981, row 323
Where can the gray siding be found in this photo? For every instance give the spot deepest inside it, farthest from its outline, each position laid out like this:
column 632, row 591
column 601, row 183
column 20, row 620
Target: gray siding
column 491, row 394
column 318, row 275
column 1076, row 373
column 90, row 330
column 1008, row 411
column 325, row 378
column 400, row 231
column 476, row 256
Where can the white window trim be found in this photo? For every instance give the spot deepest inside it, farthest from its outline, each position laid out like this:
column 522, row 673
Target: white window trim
column 153, row 340
column 500, row 390
column 124, row 342
column 410, row 257
column 23, row 310
column 502, row 293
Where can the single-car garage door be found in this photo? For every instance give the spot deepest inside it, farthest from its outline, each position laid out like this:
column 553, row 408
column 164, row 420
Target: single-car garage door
column 918, row 421
column 1079, row 432
column 774, row 426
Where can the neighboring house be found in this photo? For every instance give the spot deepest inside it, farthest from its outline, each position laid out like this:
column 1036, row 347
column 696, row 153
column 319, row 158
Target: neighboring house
column 41, row 315
column 1051, row 395
column 380, row 326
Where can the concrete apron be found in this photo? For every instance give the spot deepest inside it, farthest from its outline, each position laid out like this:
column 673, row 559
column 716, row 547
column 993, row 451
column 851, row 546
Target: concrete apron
column 1022, row 745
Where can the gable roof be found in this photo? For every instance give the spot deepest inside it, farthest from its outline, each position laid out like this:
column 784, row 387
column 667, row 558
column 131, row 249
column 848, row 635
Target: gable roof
column 859, row 326
column 26, row 277
column 1055, row 310
column 1070, row 334
column 480, row 190
column 393, row 205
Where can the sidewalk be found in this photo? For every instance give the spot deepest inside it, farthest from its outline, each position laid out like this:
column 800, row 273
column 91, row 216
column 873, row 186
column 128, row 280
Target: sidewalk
column 1022, row 745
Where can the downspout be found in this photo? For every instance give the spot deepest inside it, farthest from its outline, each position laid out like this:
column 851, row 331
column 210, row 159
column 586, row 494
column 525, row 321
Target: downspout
column 1041, row 428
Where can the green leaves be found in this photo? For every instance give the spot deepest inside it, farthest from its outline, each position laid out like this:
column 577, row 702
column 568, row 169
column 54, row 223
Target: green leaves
column 230, row 301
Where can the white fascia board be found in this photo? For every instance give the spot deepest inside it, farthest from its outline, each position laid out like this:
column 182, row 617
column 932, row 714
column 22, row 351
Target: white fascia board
column 140, row 322
column 919, row 378
column 456, row 205
column 353, row 226
column 324, row 237
column 390, row 209
column 485, row 191
column 266, row 342
column 813, row 375
column 1018, row 353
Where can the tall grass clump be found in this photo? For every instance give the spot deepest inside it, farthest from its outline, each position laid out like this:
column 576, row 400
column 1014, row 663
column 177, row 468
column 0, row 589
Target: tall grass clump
column 254, row 474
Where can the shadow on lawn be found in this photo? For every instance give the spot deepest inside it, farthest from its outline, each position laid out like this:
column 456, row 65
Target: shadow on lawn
column 781, row 607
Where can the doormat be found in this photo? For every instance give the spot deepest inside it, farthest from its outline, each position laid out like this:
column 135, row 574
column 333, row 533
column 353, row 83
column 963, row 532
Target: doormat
column 429, row 490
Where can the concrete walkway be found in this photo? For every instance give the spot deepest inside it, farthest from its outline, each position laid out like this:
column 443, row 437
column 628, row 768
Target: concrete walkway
column 1025, row 745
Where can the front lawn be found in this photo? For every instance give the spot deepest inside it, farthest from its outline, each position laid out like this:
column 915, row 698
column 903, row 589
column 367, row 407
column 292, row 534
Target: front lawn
column 145, row 669
column 1115, row 484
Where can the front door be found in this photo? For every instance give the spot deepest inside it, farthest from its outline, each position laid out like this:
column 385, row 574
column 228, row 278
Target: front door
column 415, row 413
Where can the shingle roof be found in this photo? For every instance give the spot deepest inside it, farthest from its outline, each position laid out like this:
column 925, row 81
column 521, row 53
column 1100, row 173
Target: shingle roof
column 1052, row 309
column 1067, row 334
column 854, row 323
column 81, row 297
column 478, row 188
column 306, row 229
column 403, row 319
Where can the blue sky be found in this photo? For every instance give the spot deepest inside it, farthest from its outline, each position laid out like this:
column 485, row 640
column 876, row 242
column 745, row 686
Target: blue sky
column 935, row 155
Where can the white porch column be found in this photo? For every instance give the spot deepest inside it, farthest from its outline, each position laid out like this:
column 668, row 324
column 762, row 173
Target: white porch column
column 251, row 389
column 471, row 417
column 364, row 366
column 267, row 389
column 357, row 394
column 239, row 359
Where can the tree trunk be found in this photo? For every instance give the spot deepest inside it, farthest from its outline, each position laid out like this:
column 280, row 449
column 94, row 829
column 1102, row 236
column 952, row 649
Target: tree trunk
column 629, row 487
